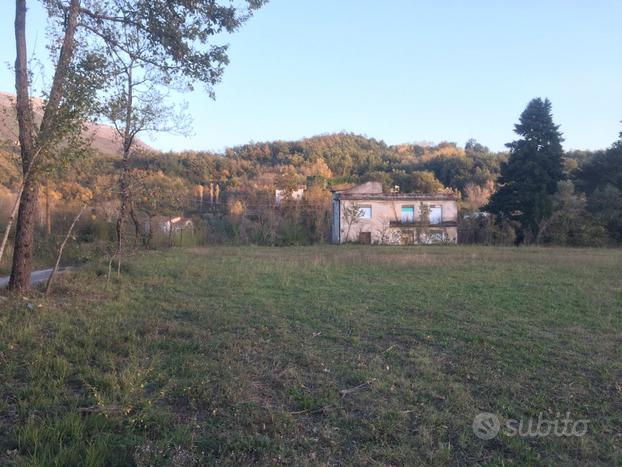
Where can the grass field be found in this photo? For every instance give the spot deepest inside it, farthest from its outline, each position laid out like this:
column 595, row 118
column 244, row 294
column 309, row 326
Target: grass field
column 317, row 355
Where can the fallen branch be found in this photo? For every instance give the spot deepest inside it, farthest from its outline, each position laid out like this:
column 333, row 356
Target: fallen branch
column 345, row 392
column 99, row 409
column 310, row 411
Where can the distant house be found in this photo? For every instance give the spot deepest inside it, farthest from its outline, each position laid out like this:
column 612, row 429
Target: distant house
column 366, row 214
column 171, row 224
column 294, row 194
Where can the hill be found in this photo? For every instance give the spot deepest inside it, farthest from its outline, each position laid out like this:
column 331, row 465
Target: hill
column 105, row 138
column 335, row 158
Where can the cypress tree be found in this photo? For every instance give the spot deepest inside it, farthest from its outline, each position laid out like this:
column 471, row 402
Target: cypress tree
column 532, row 171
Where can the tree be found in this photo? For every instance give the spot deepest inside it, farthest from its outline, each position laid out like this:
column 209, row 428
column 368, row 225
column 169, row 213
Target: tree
column 35, row 140
column 473, row 147
column 605, row 204
column 569, row 222
column 351, row 215
column 143, row 71
column 135, row 103
column 476, row 196
column 316, row 213
column 178, row 33
column 600, row 177
column 417, row 182
column 602, row 169
column 424, row 182
column 157, row 195
column 532, row 171
column 423, row 229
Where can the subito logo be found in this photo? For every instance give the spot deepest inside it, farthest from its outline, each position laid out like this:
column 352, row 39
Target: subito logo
column 486, row 425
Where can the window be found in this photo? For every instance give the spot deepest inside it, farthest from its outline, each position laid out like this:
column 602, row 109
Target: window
column 437, row 237
column 436, row 214
column 364, row 211
column 408, row 214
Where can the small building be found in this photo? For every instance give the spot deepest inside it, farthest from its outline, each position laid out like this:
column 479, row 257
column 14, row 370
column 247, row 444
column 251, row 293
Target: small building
column 366, row 214
column 294, row 194
column 172, row 224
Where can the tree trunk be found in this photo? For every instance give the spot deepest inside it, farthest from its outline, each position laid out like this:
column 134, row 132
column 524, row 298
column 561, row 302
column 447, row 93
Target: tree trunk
column 128, row 139
column 119, row 243
column 150, row 233
column 123, row 184
column 48, row 215
column 22, row 261
column 542, row 228
column 24, row 232
column 137, row 229
column 22, row 253
column 170, row 232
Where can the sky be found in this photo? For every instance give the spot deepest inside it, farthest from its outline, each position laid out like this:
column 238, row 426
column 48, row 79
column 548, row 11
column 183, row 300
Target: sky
column 400, row 71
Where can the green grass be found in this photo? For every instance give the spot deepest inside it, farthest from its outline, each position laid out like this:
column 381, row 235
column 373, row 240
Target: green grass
column 318, row 355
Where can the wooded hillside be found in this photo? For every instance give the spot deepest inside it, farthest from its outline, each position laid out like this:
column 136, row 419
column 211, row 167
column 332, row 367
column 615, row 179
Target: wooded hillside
column 231, row 194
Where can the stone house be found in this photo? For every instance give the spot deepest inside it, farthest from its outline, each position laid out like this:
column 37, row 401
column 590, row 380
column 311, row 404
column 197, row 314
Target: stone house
column 366, row 214
column 294, row 194
column 170, row 224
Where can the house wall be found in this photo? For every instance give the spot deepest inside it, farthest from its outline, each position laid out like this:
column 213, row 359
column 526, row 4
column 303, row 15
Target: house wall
column 296, row 195
column 385, row 211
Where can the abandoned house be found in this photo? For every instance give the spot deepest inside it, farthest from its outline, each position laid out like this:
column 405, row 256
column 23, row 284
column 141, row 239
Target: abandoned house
column 366, row 214
column 170, row 224
column 294, row 194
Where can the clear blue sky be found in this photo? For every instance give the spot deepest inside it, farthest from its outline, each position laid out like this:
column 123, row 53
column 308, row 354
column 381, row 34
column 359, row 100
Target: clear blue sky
column 404, row 71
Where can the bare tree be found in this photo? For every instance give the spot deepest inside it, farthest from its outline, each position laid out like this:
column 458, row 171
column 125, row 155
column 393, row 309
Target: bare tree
column 423, row 229
column 136, row 103
column 384, row 232
column 48, row 285
column 351, row 214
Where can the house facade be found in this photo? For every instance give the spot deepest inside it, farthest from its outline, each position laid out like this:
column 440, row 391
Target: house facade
column 295, row 194
column 170, row 224
column 365, row 214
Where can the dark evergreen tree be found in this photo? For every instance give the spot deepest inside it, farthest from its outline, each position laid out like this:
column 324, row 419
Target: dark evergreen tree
column 602, row 169
column 530, row 176
column 600, row 177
